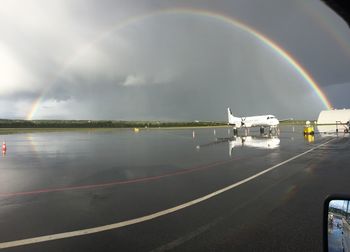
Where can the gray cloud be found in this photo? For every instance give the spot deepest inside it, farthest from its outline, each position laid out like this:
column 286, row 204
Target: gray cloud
column 170, row 67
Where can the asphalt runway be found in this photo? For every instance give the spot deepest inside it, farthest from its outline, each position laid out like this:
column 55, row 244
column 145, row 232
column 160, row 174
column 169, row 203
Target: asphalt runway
column 159, row 190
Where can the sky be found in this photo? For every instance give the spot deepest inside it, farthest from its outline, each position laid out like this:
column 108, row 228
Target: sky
column 340, row 204
column 138, row 60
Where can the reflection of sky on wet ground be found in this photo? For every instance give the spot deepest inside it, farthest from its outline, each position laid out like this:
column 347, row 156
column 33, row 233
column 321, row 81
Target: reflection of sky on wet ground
column 78, row 158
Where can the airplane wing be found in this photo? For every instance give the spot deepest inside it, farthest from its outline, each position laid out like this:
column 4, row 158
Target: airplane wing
column 286, row 119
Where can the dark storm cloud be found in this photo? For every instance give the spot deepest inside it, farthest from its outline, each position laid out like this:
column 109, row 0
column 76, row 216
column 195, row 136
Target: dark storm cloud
column 182, row 82
column 309, row 30
column 339, row 93
column 177, row 67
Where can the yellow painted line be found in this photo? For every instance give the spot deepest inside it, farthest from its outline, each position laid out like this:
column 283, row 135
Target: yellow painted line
column 117, row 225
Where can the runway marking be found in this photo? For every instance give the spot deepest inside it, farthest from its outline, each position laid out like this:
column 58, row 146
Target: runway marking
column 117, row 225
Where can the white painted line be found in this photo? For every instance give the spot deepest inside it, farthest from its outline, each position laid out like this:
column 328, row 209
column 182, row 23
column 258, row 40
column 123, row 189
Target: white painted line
column 87, row 231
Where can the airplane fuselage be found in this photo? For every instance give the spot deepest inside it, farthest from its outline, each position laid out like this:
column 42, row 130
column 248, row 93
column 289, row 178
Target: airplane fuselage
column 252, row 121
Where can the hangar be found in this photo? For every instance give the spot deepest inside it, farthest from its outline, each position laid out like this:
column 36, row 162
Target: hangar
column 335, row 120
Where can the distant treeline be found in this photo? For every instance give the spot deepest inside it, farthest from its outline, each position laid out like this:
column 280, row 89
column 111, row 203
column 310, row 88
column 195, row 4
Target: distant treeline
column 4, row 123
column 338, row 211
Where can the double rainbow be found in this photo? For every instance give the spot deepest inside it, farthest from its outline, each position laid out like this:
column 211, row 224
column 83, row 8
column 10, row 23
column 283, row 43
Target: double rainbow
column 201, row 13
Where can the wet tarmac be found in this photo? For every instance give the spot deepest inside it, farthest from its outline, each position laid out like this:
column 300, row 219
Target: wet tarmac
column 335, row 235
column 158, row 190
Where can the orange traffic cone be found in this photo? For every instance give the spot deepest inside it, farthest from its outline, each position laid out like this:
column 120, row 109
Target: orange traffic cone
column 4, row 148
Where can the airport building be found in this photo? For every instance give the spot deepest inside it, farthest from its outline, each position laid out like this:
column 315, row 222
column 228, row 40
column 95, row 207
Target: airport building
column 335, row 120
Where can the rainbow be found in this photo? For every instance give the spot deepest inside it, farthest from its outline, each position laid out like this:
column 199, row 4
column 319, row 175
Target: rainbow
column 201, row 13
column 35, row 106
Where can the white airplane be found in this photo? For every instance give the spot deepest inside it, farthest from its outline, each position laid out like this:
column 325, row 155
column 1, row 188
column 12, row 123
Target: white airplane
column 263, row 121
column 254, row 142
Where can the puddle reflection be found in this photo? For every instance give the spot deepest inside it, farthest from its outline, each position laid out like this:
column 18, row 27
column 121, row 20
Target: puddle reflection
column 261, row 142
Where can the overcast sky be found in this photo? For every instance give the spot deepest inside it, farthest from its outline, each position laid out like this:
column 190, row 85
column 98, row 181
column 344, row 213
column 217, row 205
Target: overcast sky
column 102, row 60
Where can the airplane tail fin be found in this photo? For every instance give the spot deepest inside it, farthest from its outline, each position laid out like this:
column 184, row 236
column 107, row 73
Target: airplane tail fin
column 229, row 114
column 231, row 118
